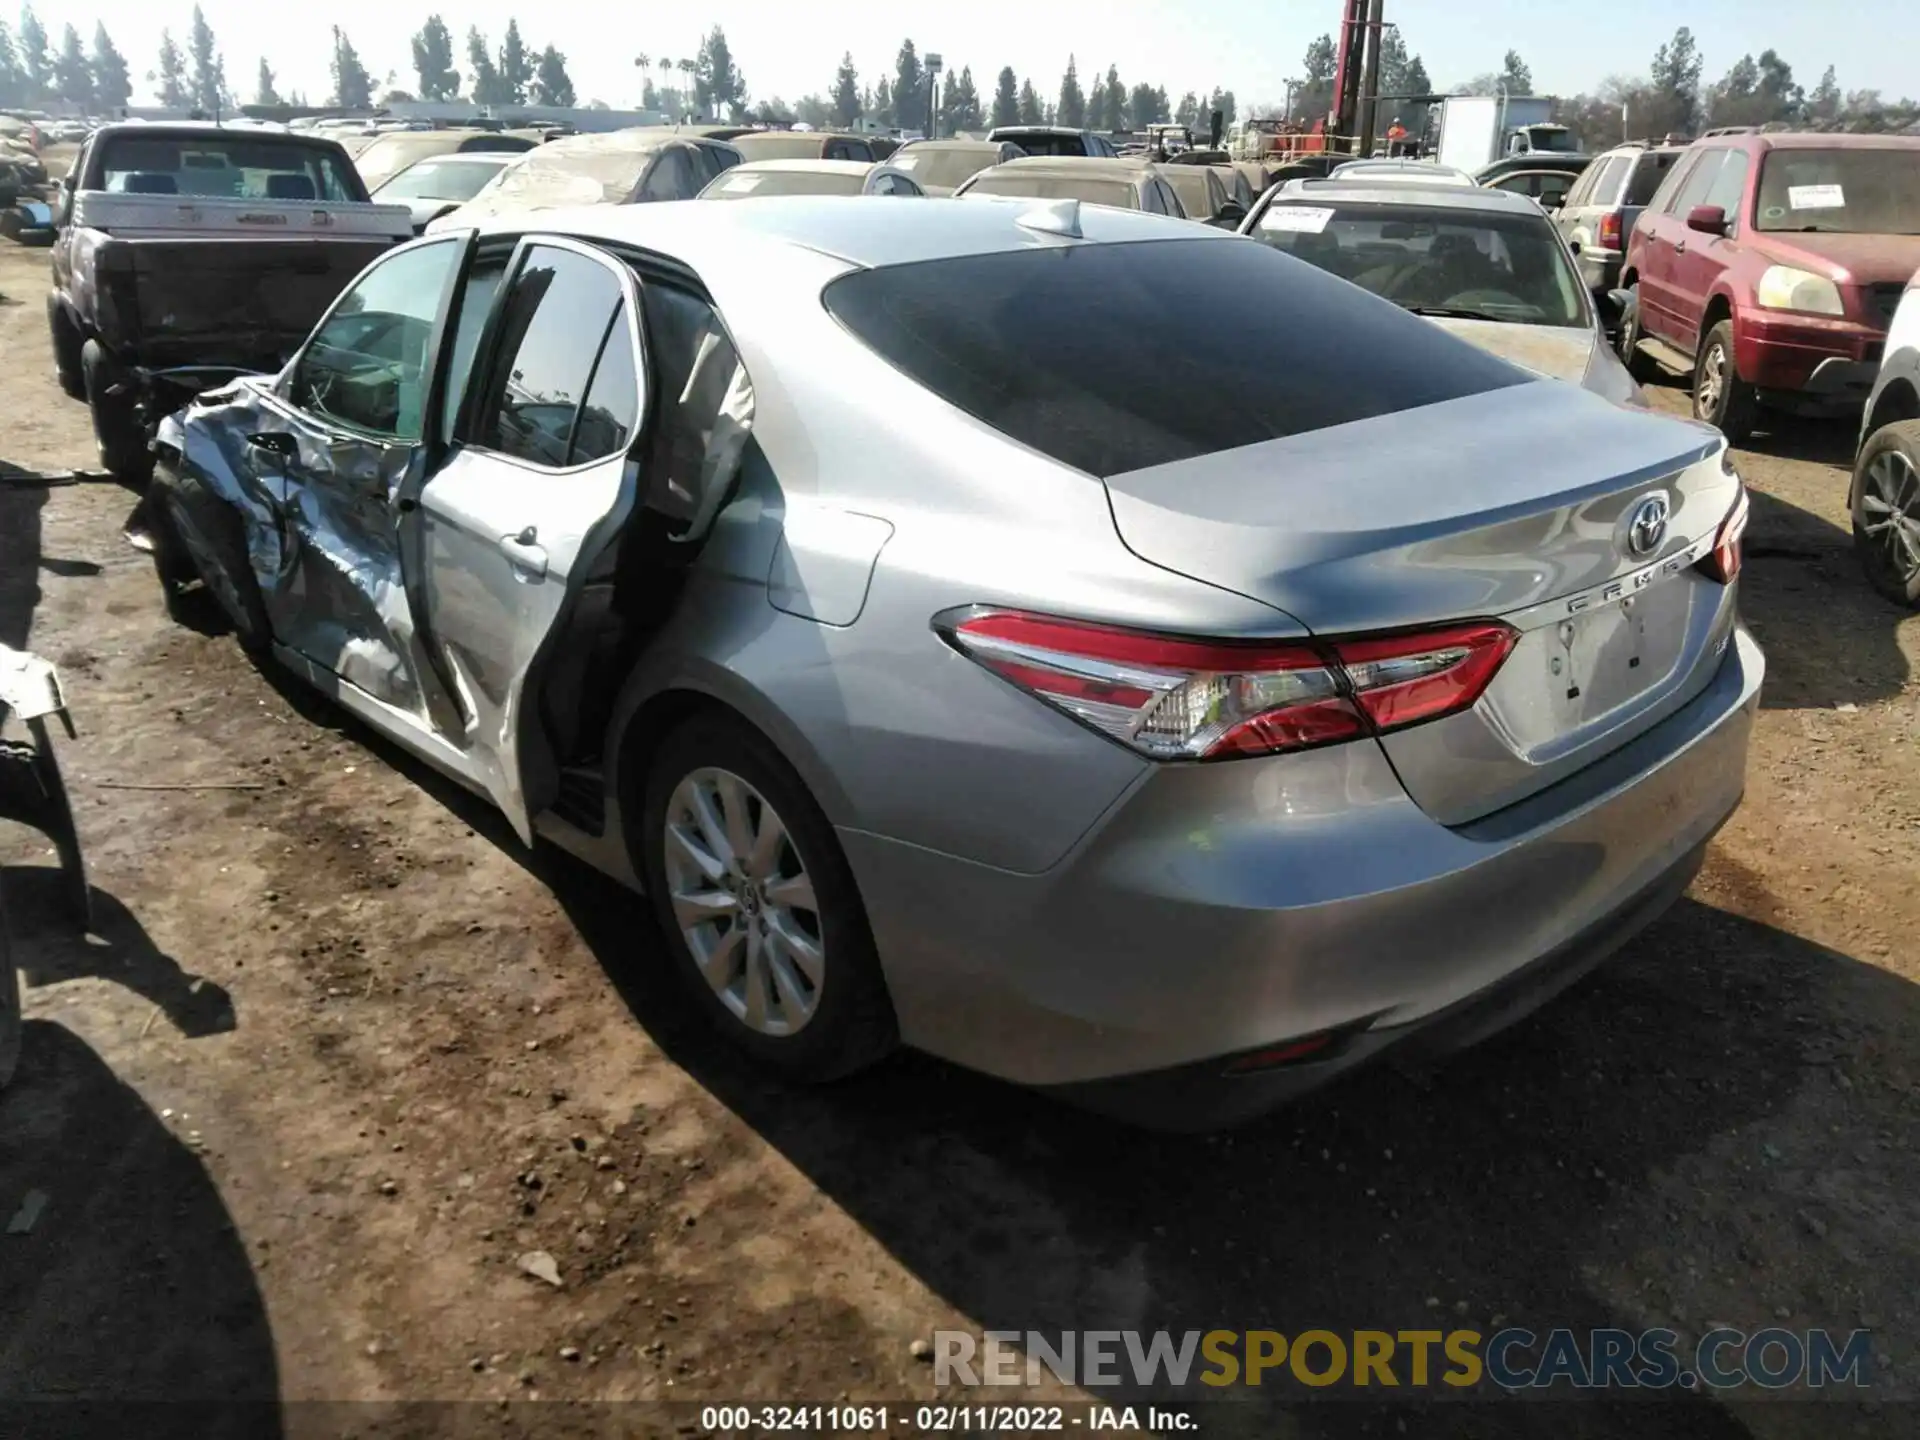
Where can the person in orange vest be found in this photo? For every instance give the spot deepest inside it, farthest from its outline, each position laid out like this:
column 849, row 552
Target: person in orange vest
column 1396, row 136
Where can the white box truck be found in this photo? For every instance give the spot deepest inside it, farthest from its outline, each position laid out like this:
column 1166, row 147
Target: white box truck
column 1476, row 130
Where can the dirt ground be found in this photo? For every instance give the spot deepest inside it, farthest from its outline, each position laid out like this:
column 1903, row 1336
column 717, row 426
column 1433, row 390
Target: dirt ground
column 341, row 1052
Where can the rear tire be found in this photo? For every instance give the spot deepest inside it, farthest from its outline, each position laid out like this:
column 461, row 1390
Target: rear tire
column 1886, row 512
column 1643, row 370
column 117, row 428
column 791, row 976
column 67, row 343
column 1720, row 396
column 193, row 527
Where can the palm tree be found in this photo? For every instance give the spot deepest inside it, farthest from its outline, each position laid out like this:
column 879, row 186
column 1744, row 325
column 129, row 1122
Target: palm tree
column 686, row 68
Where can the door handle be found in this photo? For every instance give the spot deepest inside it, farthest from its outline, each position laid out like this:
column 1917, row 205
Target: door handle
column 524, row 553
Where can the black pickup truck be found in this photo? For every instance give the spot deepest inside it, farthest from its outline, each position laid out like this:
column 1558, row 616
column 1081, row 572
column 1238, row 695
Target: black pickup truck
column 184, row 253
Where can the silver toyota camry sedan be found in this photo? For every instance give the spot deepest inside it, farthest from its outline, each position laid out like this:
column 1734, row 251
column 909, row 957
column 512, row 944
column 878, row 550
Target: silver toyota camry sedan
column 1103, row 651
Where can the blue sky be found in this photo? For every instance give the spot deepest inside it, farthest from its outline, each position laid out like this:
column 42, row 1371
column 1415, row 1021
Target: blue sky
column 790, row 47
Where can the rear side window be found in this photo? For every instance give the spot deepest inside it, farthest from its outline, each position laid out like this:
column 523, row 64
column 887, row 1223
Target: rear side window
column 1111, row 358
column 1605, row 186
column 1648, row 172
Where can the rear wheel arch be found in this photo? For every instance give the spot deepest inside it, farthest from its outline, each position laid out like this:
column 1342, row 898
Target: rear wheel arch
column 1899, row 401
column 641, row 727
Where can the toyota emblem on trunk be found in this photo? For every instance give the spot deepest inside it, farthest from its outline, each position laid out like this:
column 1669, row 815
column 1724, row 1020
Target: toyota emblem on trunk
column 1649, row 525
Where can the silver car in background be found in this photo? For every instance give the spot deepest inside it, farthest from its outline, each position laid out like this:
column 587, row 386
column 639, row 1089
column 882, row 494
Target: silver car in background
column 960, row 646
column 1484, row 264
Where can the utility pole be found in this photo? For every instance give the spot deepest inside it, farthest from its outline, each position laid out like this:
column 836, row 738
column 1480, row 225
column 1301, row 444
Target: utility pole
column 933, row 65
column 1370, row 81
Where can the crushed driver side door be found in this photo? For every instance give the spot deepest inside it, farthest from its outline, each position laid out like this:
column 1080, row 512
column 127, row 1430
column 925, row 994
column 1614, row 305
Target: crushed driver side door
column 344, row 443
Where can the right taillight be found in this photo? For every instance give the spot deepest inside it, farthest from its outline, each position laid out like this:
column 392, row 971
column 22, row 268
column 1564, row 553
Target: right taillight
column 1723, row 562
column 1610, row 230
column 1173, row 698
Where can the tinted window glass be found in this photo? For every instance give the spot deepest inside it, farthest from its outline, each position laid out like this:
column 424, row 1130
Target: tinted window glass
column 701, row 391
column 1110, row 358
column 1648, row 172
column 613, row 399
column 555, row 321
column 1150, row 200
column 366, row 366
column 670, row 179
column 1729, row 185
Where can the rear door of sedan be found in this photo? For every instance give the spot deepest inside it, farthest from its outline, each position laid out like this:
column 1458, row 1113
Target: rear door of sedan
column 538, row 481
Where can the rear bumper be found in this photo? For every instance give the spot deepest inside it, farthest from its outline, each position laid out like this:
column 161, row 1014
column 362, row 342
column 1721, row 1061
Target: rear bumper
column 1599, row 268
column 1826, row 360
column 1227, row 908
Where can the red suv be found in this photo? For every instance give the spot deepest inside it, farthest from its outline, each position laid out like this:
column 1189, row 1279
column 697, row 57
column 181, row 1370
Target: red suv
column 1769, row 266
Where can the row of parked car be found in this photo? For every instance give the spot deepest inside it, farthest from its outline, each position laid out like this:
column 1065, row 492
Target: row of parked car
column 1165, row 663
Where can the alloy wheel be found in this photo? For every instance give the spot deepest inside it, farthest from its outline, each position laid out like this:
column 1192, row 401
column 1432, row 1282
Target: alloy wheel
column 744, row 901
column 1890, row 512
column 1713, row 379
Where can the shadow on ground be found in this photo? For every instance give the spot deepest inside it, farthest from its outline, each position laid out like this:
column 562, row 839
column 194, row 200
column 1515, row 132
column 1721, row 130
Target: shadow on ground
column 131, row 1285
column 48, row 949
column 1830, row 640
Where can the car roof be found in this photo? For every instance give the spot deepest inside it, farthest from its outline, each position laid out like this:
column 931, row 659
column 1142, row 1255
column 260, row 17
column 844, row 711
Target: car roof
column 1435, row 197
column 636, row 141
column 200, row 129
column 845, row 227
column 803, row 166
column 821, row 135
column 1037, row 130
column 1820, row 140
column 1440, row 174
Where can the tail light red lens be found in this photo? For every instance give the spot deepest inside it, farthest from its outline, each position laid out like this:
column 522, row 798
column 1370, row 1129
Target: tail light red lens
column 1610, row 230
column 1181, row 699
column 1724, row 561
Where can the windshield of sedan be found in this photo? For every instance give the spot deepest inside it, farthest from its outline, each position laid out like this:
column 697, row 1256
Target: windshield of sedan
column 1841, row 192
column 233, row 167
column 446, row 179
column 1115, row 193
column 947, row 168
column 1435, row 261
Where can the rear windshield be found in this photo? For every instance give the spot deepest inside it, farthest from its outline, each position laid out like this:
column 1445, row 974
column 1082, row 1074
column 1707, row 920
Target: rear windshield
column 1468, row 264
column 1648, row 172
column 1093, row 190
column 1195, row 198
column 738, row 184
column 1045, row 144
column 947, row 168
column 1114, row 357
column 225, row 166
column 779, row 147
column 1845, row 192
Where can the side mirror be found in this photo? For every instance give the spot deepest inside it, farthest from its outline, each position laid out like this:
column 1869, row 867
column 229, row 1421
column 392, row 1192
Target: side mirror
column 1231, row 213
column 1707, row 219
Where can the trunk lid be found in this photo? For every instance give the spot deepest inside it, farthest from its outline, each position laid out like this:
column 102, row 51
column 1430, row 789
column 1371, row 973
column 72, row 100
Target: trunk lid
column 1516, row 503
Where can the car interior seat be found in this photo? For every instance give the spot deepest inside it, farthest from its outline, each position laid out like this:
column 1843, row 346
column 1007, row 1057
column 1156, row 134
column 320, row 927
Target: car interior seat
column 290, row 186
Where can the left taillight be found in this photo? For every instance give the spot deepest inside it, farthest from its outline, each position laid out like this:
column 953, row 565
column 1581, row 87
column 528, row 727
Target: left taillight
column 1175, row 698
column 1723, row 561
